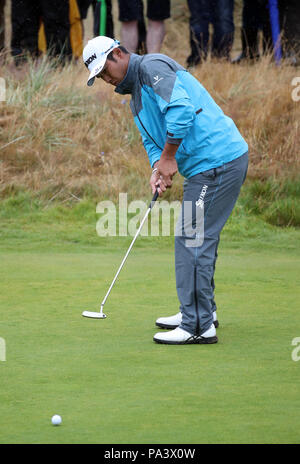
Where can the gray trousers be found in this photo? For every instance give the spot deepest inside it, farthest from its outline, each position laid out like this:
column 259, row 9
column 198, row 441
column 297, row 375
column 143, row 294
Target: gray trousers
column 208, row 200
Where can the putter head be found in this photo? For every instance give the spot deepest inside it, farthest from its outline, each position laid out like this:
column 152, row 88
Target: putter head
column 94, row 315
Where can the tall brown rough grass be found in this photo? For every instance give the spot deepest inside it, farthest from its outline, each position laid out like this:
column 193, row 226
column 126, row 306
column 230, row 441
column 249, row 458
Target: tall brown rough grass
column 61, row 139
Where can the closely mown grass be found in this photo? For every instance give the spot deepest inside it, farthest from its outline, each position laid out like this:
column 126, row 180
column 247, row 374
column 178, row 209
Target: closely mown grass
column 109, row 381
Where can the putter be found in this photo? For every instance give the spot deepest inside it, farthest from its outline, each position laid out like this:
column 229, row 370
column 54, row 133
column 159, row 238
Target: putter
column 101, row 315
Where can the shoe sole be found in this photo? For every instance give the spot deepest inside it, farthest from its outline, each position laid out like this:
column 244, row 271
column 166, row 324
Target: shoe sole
column 171, row 327
column 200, row 341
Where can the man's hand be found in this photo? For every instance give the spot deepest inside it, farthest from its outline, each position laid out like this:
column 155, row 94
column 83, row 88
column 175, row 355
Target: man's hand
column 154, row 181
column 167, row 168
column 164, row 170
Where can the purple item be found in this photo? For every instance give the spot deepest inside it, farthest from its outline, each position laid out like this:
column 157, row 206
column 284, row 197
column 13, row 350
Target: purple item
column 275, row 28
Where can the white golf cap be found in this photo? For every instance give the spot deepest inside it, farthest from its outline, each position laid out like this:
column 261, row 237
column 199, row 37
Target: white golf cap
column 95, row 53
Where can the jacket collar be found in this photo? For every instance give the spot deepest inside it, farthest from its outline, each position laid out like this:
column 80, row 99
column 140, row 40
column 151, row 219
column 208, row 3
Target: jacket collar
column 127, row 84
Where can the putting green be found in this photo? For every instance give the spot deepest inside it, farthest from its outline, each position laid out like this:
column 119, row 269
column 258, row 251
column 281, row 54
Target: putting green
column 112, row 384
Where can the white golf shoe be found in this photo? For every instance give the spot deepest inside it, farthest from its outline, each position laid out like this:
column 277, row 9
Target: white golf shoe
column 174, row 321
column 179, row 336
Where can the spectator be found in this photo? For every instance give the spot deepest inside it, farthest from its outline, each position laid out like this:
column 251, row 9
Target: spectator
column 220, row 14
column 103, row 19
column 83, row 6
column 25, row 18
column 76, row 31
column 290, row 21
column 255, row 17
column 132, row 17
column 2, row 25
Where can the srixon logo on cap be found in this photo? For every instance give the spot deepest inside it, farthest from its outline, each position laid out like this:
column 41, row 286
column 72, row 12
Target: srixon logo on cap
column 90, row 59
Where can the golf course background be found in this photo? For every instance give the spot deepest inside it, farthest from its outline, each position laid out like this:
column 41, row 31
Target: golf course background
column 64, row 148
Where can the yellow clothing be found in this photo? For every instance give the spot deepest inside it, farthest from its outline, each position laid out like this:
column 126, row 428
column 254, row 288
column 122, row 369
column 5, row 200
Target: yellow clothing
column 76, row 38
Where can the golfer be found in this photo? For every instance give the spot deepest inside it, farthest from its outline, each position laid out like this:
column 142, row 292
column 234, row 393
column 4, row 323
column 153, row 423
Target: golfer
column 184, row 130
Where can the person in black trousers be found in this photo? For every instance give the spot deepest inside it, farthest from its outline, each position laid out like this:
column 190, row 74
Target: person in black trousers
column 290, row 22
column 255, row 17
column 25, row 19
column 219, row 13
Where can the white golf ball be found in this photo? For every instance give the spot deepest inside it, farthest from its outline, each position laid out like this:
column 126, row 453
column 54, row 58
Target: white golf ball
column 56, row 420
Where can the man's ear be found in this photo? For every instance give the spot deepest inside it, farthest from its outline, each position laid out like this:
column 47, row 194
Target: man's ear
column 117, row 52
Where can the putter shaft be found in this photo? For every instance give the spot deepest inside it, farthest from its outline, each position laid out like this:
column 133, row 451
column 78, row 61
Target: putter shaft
column 129, row 249
column 101, row 315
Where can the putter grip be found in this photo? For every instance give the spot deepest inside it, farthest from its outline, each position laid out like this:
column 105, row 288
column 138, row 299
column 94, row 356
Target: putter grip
column 155, row 197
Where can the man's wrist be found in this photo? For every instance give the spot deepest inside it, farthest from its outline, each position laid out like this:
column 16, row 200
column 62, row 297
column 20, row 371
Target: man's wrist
column 154, row 166
column 169, row 151
column 167, row 156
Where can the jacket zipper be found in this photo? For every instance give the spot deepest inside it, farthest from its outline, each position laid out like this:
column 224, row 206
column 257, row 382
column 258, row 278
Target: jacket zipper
column 139, row 77
column 147, row 131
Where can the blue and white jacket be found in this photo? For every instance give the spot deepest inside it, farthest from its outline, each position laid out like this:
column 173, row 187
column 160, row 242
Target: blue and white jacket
column 170, row 105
